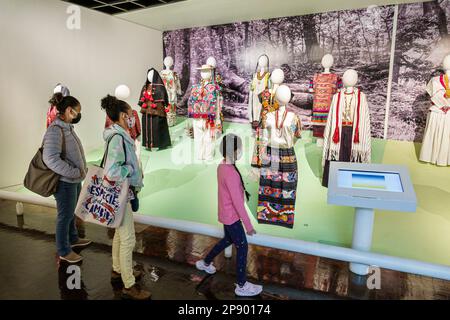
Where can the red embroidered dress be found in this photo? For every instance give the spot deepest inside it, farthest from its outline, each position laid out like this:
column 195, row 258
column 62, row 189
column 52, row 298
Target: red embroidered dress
column 323, row 86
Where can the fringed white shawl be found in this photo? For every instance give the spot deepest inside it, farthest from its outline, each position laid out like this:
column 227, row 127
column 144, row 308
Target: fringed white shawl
column 361, row 137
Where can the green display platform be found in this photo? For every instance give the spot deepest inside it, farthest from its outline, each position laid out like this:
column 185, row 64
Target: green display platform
column 177, row 188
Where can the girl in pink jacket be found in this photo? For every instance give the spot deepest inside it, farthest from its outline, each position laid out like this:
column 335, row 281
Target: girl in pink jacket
column 232, row 214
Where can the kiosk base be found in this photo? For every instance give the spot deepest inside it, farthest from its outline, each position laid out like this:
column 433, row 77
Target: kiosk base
column 362, row 236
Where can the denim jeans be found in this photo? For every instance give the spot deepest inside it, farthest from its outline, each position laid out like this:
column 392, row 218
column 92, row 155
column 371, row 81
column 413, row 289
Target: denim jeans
column 234, row 234
column 66, row 231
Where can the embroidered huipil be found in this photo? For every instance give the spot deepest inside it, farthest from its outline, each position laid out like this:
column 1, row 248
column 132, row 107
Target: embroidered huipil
column 268, row 104
column 323, row 86
column 284, row 137
column 205, row 102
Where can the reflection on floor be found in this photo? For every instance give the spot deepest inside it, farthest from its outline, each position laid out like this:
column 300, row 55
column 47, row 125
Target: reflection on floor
column 28, row 268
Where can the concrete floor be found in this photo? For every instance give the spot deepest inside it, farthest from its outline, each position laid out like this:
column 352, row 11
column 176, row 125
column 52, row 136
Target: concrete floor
column 29, row 268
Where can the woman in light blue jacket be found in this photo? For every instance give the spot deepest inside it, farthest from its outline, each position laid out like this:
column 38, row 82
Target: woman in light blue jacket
column 122, row 163
column 64, row 154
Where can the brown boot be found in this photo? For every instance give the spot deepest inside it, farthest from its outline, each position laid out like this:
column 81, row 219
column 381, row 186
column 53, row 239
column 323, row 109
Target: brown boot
column 136, row 293
column 115, row 276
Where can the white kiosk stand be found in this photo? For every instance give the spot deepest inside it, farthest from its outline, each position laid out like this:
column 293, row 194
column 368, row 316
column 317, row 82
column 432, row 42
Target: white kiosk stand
column 367, row 187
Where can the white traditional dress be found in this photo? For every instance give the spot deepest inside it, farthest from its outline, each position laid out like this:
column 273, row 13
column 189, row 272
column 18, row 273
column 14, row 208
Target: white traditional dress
column 347, row 135
column 436, row 141
column 173, row 87
column 278, row 180
column 260, row 82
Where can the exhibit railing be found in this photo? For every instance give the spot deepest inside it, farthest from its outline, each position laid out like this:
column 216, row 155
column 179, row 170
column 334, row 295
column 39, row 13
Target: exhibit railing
column 300, row 246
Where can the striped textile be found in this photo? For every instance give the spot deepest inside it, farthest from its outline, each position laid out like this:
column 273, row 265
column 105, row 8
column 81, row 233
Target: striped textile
column 278, row 188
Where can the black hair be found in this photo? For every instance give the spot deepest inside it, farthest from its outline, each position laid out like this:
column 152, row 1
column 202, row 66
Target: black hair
column 114, row 107
column 62, row 103
column 229, row 145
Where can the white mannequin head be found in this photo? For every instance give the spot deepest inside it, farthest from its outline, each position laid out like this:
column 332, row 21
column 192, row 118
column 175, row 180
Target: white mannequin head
column 350, row 78
column 446, row 63
column 327, row 62
column 58, row 88
column 277, row 76
column 212, row 62
column 122, row 92
column 168, row 62
column 205, row 74
column 150, row 76
column 283, row 95
column 263, row 63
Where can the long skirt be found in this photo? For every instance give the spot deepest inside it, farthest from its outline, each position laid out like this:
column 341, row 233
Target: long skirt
column 436, row 140
column 345, row 152
column 278, row 188
column 155, row 132
column 260, row 149
column 172, row 115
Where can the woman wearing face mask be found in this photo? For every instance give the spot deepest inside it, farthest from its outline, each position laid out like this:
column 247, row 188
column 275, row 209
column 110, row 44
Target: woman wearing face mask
column 64, row 154
column 122, row 163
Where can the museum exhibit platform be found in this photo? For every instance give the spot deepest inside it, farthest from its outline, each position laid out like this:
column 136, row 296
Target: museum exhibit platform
column 181, row 193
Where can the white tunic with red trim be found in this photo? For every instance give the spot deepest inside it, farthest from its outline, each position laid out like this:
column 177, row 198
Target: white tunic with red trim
column 361, row 137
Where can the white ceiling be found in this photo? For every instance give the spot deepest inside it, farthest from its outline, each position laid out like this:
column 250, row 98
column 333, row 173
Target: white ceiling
column 197, row 13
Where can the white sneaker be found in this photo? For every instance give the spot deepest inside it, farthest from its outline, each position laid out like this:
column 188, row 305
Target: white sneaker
column 201, row 265
column 248, row 290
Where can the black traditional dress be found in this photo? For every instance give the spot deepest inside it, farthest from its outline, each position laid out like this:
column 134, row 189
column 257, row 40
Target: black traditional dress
column 154, row 107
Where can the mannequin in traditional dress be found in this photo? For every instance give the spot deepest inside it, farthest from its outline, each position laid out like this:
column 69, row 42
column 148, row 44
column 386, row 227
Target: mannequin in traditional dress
column 52, row 113
column 154, row 103
column 211, row 61
column 268, row 104
column 205, row 107
column 173, row 87
column 347, row 135
column 278, row 180
column 436, row 140
column 323, row 87
column 259, row 83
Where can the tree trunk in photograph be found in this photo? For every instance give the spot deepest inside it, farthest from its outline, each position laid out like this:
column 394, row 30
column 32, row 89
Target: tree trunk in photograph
column 442, row 19
column 310, row 36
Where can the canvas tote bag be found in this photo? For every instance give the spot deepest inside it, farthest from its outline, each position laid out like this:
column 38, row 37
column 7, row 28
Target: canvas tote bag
column 102, row 201
column 39, row 178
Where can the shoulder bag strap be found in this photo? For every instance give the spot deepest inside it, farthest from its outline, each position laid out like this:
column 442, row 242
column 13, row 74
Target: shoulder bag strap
column 107, row 147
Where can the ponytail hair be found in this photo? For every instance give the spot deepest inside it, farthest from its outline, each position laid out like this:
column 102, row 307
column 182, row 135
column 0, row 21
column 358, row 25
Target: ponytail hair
column 62, row 103
column 228, row 147
column 114, row 107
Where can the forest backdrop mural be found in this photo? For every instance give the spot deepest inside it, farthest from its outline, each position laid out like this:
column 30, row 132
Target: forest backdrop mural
column 358, row 39
column 423, row 40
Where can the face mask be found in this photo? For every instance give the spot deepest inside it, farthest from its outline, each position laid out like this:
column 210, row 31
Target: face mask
column 131, row 122
column 76, row 119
